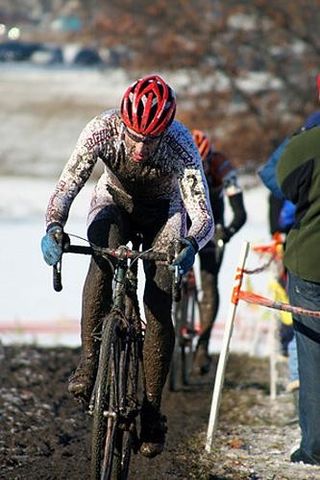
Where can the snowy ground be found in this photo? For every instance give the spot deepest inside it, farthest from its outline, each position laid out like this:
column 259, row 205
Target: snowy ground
column 42, row 114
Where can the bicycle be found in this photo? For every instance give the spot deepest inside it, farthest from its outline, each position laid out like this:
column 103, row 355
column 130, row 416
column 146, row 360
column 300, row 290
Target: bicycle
column 187, row 328
column 186, row 317
column 119, row 386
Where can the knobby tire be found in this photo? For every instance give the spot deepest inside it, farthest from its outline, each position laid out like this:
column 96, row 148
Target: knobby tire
column 103, row 429
column 187, row 347
column 116, row 392
column 175, row 367
column 129, row 359
column 182, row 357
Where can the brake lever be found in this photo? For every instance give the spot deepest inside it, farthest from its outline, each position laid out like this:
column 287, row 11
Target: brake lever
column 57, row 282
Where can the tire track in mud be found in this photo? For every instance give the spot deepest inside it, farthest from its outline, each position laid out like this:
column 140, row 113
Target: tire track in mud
column 45, row 435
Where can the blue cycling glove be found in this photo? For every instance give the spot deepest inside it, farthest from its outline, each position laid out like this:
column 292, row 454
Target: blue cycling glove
column 185, row 259
column 51, row 244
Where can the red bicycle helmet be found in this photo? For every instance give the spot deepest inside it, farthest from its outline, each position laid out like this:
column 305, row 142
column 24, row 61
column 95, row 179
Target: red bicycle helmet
column 202, row 142
column 148, row 106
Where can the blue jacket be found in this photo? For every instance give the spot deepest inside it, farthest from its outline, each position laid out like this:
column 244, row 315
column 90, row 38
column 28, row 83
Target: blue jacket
column 267, row 172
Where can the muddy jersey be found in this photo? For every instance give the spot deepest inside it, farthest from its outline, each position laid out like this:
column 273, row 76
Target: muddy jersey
column 174, row 175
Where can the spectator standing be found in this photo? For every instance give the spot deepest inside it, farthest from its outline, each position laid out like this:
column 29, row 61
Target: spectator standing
column 281, row 217
column 298, row 175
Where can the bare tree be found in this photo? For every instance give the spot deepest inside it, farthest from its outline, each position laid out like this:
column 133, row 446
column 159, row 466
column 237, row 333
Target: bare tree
column 251, row 66
column 224, row 46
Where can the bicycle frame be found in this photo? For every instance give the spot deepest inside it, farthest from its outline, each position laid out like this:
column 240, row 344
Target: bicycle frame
column 121, row 346
column 114, row 404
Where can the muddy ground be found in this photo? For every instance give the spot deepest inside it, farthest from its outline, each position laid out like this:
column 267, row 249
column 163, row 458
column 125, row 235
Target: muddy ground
column 45, row 434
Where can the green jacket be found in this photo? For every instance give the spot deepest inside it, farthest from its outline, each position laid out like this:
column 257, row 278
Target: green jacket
column 298, row 175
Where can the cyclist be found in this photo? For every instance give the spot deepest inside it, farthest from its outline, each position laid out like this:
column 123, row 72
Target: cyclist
column 152, row 179
column 222, row 181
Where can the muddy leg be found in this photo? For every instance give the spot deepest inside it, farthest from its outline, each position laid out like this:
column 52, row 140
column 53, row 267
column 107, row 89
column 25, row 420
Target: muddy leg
column 158, row 348
column 96, row 301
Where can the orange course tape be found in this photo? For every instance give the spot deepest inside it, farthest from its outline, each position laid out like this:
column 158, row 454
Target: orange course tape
column 251, row 297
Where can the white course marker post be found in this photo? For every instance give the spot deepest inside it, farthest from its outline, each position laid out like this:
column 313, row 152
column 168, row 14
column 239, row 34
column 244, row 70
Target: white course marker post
column 273, row 333
column 216, row 396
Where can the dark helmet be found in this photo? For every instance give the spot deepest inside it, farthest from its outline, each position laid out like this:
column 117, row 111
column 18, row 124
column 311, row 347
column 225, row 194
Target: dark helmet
column 202, row 142
column 148, row 106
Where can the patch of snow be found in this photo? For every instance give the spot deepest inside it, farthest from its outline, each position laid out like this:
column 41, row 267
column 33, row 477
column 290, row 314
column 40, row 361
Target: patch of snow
column 253, row 82
column 242, row 21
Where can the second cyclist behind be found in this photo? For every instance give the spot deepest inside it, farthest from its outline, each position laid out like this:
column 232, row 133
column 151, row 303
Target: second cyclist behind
column 222, row 181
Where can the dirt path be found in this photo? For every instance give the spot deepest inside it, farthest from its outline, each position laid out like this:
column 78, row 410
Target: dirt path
column 45, row 435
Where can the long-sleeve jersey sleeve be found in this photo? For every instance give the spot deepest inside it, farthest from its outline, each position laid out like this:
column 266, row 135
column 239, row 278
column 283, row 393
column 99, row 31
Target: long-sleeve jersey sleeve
column 75, row 173
column 194, row 191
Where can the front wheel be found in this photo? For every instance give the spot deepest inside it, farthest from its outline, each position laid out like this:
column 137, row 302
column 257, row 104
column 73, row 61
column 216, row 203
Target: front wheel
column 184, row 314
column 115, row 401
column 179, row 312
column 187, row 338
column 104, row 418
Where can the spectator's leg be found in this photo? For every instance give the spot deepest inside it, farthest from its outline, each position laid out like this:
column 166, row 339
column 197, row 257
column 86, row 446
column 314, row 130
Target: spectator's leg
column 307, row 331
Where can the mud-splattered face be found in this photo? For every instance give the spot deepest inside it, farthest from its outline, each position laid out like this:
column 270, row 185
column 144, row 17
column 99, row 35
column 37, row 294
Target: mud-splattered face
column 141, row 148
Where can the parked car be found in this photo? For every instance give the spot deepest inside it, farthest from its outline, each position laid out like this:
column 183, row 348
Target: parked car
column 47, row 55
column 14, row 51
column 87, row 56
